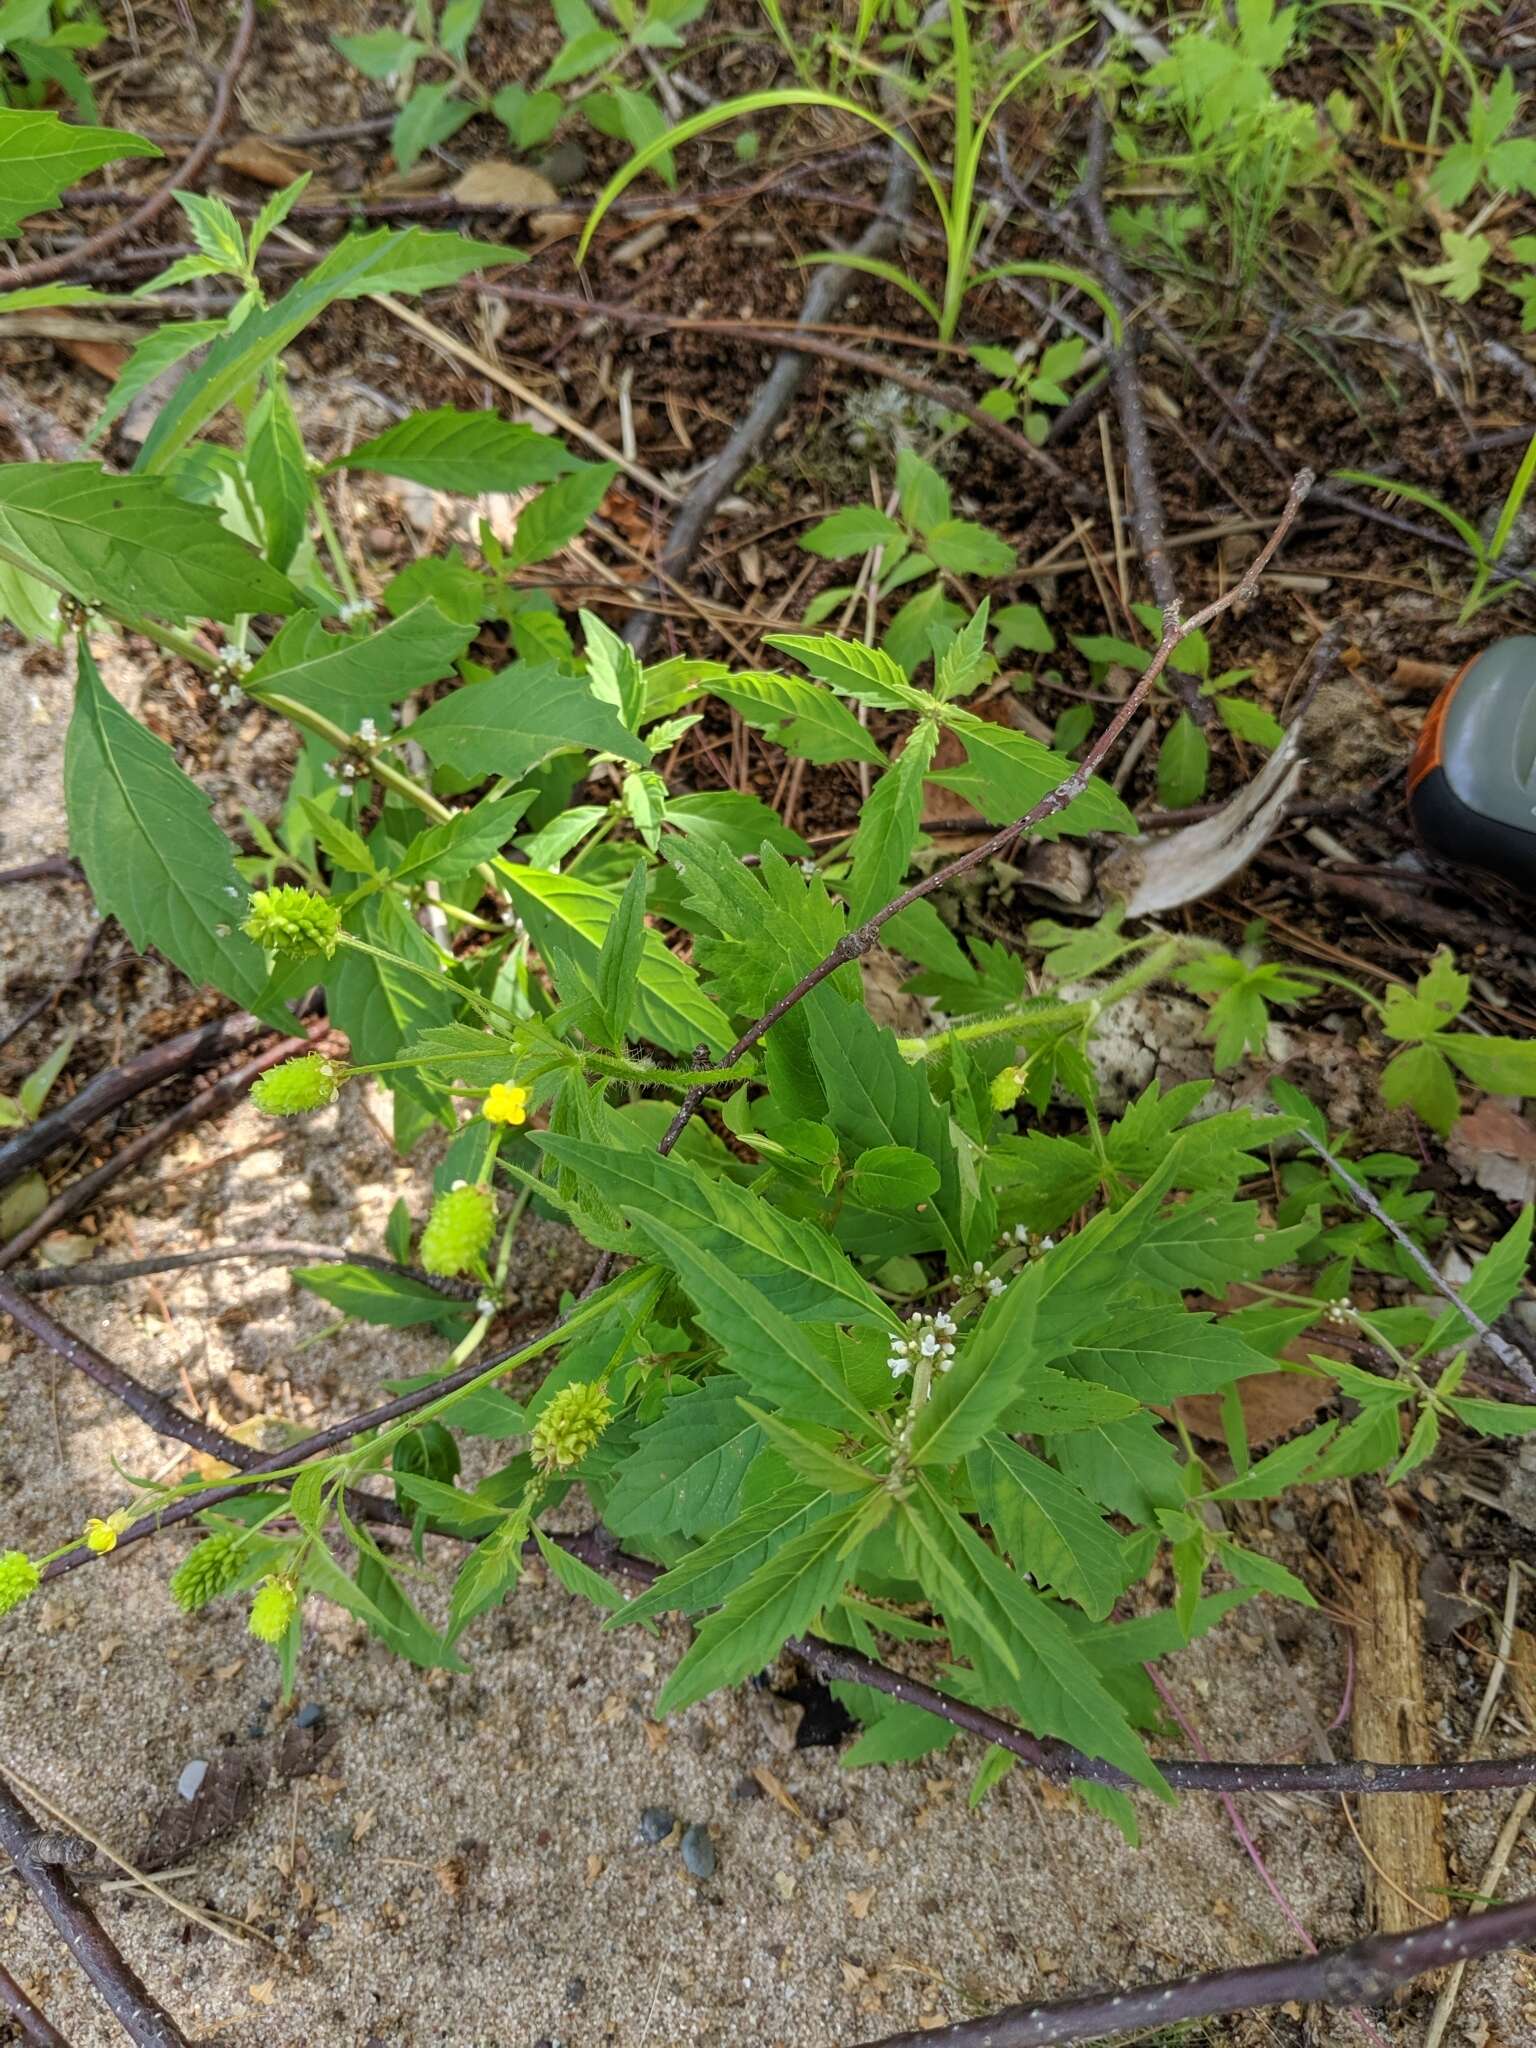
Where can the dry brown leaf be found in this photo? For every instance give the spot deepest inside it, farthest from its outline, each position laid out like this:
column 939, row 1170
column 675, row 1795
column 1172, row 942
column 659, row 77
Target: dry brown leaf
column 495, row 183
column 363, row 1825
column 1274, row 1403
column 262, row 1993
column 1497, row 1148
column 267, row 162
column 859, row 1903
column 106, row 358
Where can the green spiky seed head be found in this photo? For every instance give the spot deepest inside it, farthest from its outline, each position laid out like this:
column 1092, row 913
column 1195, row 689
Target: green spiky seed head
column 207, row 1571
column 458, row 1231
column 19, row 1579
column 273, row 1609
column 292, row 920
column 569, row 1427
column 297, row 1086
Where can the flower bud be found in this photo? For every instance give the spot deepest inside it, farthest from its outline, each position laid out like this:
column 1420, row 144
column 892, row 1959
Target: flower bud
column 571, row 1424
column 19, row 1579
column 273, row 1609
column 294, row 921
column 207, row 1571
column 297, row 1086
column 458, row 1231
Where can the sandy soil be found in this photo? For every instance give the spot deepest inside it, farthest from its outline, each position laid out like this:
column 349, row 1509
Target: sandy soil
column 464, row 1866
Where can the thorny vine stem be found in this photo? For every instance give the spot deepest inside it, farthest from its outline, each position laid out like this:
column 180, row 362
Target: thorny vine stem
column 1512, row 1360
column 140, row 2016
column 1366, row 1973
column 32, row 2026
column 186, row 173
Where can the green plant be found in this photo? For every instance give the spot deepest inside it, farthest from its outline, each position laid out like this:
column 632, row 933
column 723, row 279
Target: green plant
column 592, row 57
column 1486, row 550
column 922, row 538
column 1249, row 151
column 38, row 42
column 1183, row 760
column 962, row 210
column 845, row 1364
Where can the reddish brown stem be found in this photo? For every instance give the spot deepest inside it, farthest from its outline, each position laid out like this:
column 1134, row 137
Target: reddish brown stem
column 1366, row 1973
column 142, row 2018
column 34, row 2028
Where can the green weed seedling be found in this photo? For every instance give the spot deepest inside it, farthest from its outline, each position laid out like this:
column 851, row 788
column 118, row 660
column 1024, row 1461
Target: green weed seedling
column 883, row 1336
column 591, row 74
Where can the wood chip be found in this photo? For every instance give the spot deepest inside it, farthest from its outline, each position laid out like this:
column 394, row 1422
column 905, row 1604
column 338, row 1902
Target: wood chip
column 495, row 183
column 267, row 162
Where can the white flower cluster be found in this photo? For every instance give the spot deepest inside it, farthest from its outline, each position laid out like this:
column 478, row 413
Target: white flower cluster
column 359, row 608
column 344, row 773
column 368, row 732
column 224, row 681
column 925, row 1337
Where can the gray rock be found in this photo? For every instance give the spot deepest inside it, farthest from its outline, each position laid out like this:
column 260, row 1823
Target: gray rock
column 656, row 1823
column 698, row 1851
column 310, row 1715
column 190, row 1781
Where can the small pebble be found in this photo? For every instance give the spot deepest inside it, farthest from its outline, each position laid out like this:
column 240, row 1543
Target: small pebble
column 309, row 1715
column 746, row 1787
column 655, row 1825
column 191, row 1778
column 698, row 1852
column 575, row 1990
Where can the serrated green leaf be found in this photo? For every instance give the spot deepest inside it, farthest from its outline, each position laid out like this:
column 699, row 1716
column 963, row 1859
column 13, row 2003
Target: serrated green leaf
column 1420, row 1079
column 372, row 1297
column 866, row 673
column 150, row 358
column 1159, row 1354
column 852, row 531
column 129, row 543
column 777, row 1358
column 783, row 1596
column 153, row 856
column 801, row 1271
column 386, row 260
column 516, row 719
column 801, row 716
column 685, row 1472
column 1006, row 773
column 40, row 155
column 882, row 847
column 277, row 467
column 462, row 452
column 566, row 913
column 349, row 678
column 706, row 1575
column 554, row 518
column 444, row 852
column 616, row 979
column 1047, row 1525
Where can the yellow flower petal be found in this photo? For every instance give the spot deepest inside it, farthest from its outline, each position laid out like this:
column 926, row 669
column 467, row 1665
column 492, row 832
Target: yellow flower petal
column 507, row 1104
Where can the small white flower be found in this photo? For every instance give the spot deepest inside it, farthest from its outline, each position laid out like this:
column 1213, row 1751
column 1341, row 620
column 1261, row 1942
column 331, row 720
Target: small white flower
column 995, row 1286
column 928, row 1345
column 234, row 661
column 808, row 869
column 484, row 1305
column 978, row 1270
column 359, row 608
column 368, row 732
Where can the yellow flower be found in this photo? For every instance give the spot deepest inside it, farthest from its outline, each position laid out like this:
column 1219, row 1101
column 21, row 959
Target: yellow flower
column 507, row 1104
column 101, row 1536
